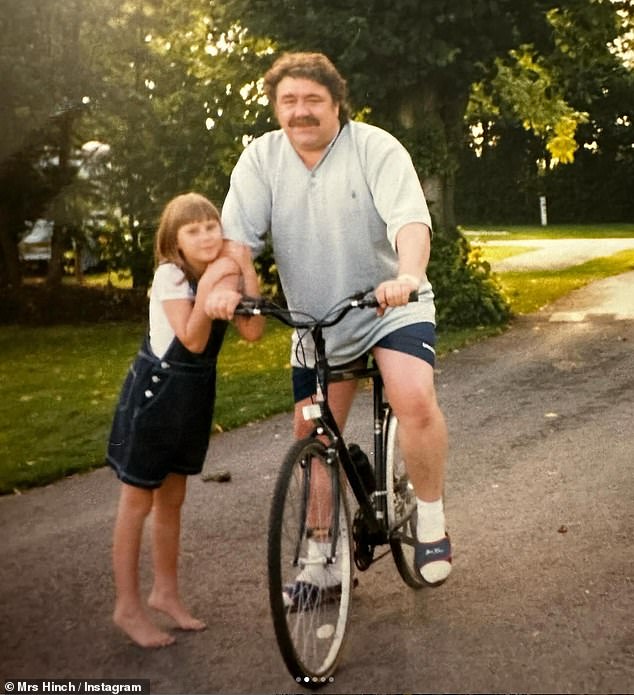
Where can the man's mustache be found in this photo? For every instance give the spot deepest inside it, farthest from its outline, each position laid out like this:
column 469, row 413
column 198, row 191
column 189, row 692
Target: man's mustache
column 300, row 121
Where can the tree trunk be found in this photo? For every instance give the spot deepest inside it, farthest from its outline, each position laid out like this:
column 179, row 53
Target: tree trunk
column 58, row 242
column 434, row 189
column 56, row 264
column 10, row 271
column 78, row 252
column 438, row 116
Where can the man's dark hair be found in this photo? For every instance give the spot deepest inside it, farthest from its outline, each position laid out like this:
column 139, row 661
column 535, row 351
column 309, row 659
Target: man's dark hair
column 311, row 66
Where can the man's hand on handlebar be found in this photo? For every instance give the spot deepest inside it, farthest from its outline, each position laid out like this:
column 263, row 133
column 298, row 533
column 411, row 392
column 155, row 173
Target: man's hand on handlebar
column 395, row 292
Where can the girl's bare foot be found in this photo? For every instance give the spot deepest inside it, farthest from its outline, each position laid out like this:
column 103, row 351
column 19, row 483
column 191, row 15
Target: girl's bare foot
column 141, row 630
column 173, row 607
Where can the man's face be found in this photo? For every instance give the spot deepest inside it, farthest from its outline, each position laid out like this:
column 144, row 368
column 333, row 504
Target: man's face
column 307, row 113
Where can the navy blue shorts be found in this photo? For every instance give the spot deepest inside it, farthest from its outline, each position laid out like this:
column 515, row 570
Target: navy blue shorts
column 418, row 339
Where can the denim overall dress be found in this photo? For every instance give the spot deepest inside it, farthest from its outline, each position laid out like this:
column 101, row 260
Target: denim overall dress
column 163, row 419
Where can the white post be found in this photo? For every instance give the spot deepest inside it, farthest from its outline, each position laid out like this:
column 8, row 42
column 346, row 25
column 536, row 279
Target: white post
column 542, row 210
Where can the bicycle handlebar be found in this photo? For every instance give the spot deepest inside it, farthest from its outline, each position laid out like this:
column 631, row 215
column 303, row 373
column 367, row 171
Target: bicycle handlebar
column 256, row 306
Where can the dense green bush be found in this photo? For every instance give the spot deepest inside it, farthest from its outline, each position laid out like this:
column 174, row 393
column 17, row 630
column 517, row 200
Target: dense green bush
column 467, row 294
column 43, row 305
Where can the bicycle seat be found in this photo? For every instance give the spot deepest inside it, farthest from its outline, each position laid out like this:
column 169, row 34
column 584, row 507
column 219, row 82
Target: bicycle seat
column 363, row 367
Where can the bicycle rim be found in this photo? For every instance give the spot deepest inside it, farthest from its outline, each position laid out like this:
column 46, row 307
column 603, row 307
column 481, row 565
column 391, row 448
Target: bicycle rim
column 310, row 621
column 401, row 509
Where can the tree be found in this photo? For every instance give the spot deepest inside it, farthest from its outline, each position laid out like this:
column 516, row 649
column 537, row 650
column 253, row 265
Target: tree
column 172, row 111
column 172, row 88
column 47, row 67
column 411, row 66
column 151, row 79
column 520, row 161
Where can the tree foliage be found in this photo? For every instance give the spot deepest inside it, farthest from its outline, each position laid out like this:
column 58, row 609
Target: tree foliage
column 172, row 88
column 583, row 68
column 49, row 64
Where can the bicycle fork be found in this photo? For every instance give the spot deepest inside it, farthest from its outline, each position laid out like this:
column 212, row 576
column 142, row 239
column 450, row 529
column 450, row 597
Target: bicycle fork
column 320, row 509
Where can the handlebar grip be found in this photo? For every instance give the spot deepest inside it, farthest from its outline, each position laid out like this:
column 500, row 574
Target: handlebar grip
column 371, row 301
column 249, row 306
column 243, row 311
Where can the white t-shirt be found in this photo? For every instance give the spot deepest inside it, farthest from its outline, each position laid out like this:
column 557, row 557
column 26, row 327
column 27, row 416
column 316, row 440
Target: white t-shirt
column 169, row 283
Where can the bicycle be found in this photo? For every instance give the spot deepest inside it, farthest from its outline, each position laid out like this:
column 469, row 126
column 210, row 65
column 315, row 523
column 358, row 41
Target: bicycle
column 309, row 531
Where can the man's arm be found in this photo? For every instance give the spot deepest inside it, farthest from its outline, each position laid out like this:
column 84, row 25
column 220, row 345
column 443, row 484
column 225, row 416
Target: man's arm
column 413, row 244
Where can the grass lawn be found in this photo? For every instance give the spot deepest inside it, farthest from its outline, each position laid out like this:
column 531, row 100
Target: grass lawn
column 493, row 254
column 558, row 231
column 530, row 291
column 60, row 383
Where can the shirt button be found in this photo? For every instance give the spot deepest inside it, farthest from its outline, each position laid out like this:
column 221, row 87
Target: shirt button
column 148, row 394
column 155, row 379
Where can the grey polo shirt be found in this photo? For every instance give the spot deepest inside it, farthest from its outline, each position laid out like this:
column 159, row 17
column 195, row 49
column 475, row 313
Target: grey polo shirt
column 333, row 228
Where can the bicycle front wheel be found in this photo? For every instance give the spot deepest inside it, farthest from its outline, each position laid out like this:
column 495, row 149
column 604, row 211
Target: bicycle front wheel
column 310, row 563
column 401, row 509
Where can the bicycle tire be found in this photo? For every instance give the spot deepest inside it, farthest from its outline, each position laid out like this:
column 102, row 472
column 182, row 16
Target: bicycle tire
column 401, row 508
column 310, row 633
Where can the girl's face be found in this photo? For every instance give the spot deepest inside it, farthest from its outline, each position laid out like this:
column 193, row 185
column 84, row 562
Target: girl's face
column 200, row 243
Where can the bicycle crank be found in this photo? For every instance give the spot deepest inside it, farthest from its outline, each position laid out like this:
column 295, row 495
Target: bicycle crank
column 365, row 542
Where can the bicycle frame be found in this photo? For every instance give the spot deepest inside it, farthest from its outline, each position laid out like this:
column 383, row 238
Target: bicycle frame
column 374, row 511
column 373, row 505
column 310, row 526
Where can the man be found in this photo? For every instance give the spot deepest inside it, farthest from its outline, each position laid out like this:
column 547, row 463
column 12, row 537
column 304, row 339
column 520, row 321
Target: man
column 345, row 211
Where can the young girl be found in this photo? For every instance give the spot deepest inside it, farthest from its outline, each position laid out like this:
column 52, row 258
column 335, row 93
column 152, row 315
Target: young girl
column 162, row 423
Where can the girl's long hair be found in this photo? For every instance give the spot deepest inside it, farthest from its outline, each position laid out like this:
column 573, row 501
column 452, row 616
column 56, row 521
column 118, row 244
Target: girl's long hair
column 181, row 210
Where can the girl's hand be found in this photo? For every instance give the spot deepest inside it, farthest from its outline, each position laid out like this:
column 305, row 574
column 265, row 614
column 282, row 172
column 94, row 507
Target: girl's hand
column 221, row 303
column 223, row 269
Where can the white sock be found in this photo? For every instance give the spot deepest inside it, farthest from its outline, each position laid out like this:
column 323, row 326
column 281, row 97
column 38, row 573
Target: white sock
column 431, row 527
column 431, row 520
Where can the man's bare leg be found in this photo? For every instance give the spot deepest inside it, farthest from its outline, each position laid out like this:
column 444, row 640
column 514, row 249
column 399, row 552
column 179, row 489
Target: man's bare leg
column 410, row 389
column 319, row 515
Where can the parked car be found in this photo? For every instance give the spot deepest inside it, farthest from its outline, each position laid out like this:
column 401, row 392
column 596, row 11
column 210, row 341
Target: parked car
column 35, row 248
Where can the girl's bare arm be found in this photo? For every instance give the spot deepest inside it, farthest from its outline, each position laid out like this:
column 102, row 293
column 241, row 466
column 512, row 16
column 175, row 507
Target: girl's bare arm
column 188, row 319
column 221, row 303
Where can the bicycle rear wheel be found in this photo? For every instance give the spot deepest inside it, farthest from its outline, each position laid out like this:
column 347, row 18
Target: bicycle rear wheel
column 309, row 563
column 401, row 508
